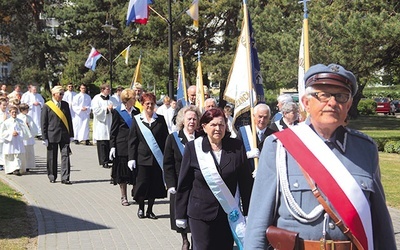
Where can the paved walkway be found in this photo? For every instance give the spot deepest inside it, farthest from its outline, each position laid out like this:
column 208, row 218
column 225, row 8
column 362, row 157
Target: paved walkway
column 88, row 214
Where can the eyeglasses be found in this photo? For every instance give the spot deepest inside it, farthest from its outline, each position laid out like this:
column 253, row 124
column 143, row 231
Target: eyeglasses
column 325, row 96
column 61, row 93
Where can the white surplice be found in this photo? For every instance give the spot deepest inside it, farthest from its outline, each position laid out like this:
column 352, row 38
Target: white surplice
column 82, row 117
column 68, row 97
column 13, row 146
column 34, row 111
column 102, row 118
column 3, row 116
column 30, row 142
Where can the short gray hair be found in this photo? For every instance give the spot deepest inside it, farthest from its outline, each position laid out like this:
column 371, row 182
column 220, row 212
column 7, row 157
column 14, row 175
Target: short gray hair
column 290, row 107
column 262, row 106
column 285, row 98
column 181, row 114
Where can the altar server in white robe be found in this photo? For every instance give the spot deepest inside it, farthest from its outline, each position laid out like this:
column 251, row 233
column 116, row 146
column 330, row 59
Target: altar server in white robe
column 3, row 116
column 81, row 105
column 102, row 105
column 29, row 160
column 35, row 102
column 13, row 132
column 69, row 96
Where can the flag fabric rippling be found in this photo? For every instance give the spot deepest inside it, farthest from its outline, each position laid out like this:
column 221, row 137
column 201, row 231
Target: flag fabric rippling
column 91, row 61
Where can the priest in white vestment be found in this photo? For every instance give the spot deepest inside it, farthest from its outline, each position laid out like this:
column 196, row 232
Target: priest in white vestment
column 81, row 106
column 69, row 96
column 13, row 133
column 102, row 104
column 35, row 102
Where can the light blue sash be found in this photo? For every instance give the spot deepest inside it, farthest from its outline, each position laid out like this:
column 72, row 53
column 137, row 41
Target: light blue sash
column 230, row 204
column 178, row 142
column 151, row 141
column 125, row 115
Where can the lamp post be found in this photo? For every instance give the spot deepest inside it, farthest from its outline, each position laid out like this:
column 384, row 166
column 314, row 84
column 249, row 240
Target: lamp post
column 110, row 30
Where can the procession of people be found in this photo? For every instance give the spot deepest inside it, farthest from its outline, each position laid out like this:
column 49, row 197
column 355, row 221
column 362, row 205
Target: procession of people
column 295, row 185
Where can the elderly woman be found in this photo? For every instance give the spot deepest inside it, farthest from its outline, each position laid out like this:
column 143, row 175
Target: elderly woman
column 187, row 122
column 214, row 173
column 290, row 117
column 121, row 123
column 146, row 144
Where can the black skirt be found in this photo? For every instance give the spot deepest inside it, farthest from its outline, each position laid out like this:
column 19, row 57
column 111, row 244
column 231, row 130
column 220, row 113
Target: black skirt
column 149, row 183
column 120, row 172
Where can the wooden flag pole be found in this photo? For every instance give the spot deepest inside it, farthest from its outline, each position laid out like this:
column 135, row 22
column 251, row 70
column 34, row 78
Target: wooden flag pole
column 250, row 77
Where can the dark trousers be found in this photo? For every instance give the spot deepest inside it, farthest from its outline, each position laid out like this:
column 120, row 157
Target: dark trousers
column 103, row 151
column 52, row 154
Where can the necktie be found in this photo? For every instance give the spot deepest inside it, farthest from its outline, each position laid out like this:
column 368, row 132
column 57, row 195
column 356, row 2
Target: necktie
column 260, row 136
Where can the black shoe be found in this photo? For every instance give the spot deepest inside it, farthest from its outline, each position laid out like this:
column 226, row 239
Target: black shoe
column 52, row 181
column 105, row 165
column 16, row 172
column 140, row 214
column 66, row 182
column 151, row 215
column 76, row 142
column 88, row 143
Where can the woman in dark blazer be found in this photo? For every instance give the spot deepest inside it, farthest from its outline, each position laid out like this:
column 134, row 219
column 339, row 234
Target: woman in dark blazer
column 195, row 202
column 187, row 122
column 149, row 180
column 121, row 122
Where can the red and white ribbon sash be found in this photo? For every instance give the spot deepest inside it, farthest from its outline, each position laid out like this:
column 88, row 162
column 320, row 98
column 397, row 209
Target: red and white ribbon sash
column 332, row 177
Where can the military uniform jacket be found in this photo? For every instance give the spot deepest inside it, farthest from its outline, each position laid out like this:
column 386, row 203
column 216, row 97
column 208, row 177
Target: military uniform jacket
column 194, row 198
column 359, row 155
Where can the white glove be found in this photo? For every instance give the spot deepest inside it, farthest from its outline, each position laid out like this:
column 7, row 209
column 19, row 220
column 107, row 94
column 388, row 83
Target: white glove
column 254, row 173
column 112, row 154
column 253, row 153
column 132, row 164
column 45, row 142
column 172, row 190
column 182, row 223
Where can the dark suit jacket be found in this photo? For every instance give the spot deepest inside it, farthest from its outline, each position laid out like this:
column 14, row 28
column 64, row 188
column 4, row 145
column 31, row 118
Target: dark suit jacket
column 194, row 198
column 260, row 144
column 137, row 146
column 275, row 128
column 173, row 159
column 53, row 129
column 120, row 132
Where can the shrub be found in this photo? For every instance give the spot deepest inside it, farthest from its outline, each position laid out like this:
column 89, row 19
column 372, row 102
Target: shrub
column 392, row 147
column 366, row 107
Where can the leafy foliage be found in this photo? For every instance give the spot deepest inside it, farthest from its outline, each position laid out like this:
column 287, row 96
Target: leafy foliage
column 366, row 107
column 362, row 35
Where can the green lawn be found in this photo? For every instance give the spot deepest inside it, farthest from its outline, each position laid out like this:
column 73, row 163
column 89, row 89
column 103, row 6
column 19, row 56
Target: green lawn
column 383, row 126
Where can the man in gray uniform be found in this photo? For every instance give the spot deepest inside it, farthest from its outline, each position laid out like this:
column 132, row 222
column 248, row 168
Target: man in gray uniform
column 319, row 178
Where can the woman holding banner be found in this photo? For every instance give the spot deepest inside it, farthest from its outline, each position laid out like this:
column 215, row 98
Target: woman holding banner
column 214, row 176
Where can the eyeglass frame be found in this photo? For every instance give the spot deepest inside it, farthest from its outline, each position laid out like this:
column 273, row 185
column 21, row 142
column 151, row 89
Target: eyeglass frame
column 316, row 96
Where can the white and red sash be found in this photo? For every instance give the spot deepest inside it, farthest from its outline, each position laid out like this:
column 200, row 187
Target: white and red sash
column 332, row 178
